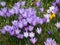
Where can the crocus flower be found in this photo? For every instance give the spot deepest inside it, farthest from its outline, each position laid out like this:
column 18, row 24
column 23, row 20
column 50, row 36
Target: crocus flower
column 17, row 31
column 38, row 4
column 3, row 3
column 31, row 28
column 31, row 34
column 11, row 32
column 20, row 24
column 23, row 3
column 54, row 3
column 39, row 30
column 17, row 4
column 24, row 21
column 57, row 24
column 15, row 23
column 41, row 10
column 26, row 34
column 50, row 41
column 3, row 31
column 20, row 36
column 33, row 40
column 57, row 1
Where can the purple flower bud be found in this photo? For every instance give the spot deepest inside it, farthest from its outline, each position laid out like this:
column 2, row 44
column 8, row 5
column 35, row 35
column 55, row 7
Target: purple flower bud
column 49, row 32
column 33, row 40
column 38, row 4
column 3, row 3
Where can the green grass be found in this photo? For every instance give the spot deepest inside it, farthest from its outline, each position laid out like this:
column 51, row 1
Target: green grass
column 8, row 40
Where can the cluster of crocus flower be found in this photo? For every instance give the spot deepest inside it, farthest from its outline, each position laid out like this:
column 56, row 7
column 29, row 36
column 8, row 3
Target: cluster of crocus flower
column 24, row 26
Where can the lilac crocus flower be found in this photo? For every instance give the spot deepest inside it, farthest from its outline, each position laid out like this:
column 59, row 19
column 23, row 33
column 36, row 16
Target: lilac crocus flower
column 41, row 21
column 23, row 3
column 55, row 10
column 20, row 36
column 57, row 1
column 26, row 34
column 33, row 40
column 11, row 11
column 54, row 3
column 39, row 30
column 31, row 34
column 3, row 31
column 7, row 28
column 17, row 31
column 3, row 3
column 17, row 4
column 15, row 23
column 20, row 24
column 57, row 24
column 21, row 10
column 11, row 32
column 24, row 21
column 50, row 41
column 30, row 28
column 41, row 10
column 2, row 14
column 38, row 4
column 16, row 9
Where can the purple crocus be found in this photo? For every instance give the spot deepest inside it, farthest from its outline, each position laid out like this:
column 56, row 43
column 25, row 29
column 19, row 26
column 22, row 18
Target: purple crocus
column 3, row 3
column 20, row 36
column 57, row 1
column 23, row 3
column 41, row 10
column 30, row 28
column 31, row 34
column 17, row 4
column 33, row 40
column 26, row 34
column 38, row 4
column 3, row 31
column 20, row 24
column 11, row 32
column 50, row 41
column 15, row 23
column 54, row 3
column 24, row 21
column 17, row 31
column 39, row 30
